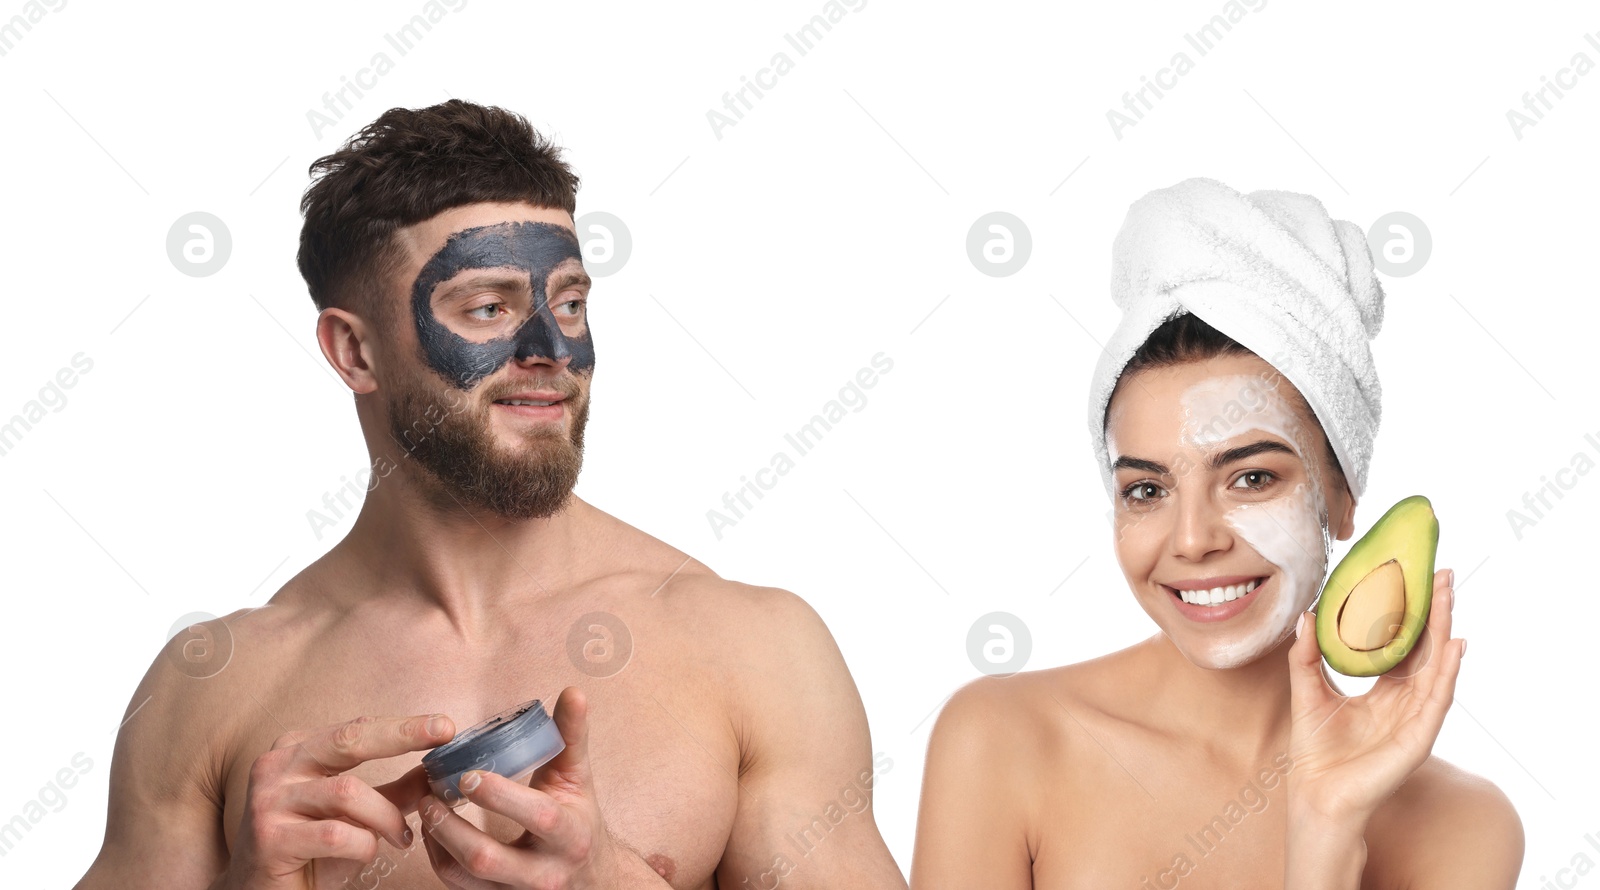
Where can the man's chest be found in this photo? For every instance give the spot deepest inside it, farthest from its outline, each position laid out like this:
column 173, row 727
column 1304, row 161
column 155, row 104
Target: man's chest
column 661, row 746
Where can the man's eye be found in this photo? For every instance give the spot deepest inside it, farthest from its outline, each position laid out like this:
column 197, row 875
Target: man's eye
column 573, row 307
column 1254, row 479
column 487, row 312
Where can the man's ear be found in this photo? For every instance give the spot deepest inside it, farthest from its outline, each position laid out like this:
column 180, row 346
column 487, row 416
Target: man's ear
column 346, row 342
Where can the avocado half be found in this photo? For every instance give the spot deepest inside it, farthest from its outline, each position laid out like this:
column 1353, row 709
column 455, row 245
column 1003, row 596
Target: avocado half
column 1375, row 603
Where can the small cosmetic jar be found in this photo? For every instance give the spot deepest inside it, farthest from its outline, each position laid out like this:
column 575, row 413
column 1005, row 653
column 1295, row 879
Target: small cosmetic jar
column 513, row 743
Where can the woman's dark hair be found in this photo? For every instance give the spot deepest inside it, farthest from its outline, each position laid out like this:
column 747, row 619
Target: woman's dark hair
column 1185, row 338
column 405, row 167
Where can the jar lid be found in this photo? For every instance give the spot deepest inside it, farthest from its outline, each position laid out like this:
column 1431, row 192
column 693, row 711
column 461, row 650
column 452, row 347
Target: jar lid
column 512, row 743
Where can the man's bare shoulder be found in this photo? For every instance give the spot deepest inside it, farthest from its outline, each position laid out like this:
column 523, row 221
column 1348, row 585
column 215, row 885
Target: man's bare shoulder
column 1442, row 821
column 685, row 585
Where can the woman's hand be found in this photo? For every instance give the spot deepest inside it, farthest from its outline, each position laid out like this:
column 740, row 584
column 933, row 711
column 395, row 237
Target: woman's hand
column 1350, row 753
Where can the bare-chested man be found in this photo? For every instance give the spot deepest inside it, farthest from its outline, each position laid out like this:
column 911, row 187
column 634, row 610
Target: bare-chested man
column 711, row 727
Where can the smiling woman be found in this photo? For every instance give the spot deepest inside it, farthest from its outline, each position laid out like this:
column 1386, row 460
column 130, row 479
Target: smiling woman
column 1230, row 475
column 1246, row 435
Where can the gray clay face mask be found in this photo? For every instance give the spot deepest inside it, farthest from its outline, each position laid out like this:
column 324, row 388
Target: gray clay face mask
column 535, row 247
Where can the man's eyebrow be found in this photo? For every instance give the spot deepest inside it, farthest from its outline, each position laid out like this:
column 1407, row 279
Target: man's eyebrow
column 567, row 276
column 491, row 280
column 1223, row 458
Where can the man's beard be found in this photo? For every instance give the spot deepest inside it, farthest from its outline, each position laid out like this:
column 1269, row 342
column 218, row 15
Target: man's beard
column 452, row 438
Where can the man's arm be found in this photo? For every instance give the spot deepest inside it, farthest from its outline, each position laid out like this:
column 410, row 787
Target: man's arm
column 806, row 761
column 164, row 819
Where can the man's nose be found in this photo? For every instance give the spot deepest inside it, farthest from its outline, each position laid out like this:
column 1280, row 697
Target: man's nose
column 541, row 337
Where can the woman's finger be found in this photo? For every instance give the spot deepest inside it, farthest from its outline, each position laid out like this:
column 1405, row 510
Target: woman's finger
column 1420, row 667
column 1308, row 687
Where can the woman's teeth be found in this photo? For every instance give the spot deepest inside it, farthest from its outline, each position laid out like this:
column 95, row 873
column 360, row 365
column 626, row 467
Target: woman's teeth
column 1218, row 594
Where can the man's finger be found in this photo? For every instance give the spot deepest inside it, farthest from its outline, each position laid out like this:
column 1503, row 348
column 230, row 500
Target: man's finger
column 453, row 873
column 407, row 790
column 480, row 855
column 531, row 808
column 328, row 839
column 571, row 717
column 354, row 742
column 348, row 797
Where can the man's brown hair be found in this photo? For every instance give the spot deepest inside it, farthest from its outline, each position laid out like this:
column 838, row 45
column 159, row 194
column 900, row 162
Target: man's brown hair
column 405, row 167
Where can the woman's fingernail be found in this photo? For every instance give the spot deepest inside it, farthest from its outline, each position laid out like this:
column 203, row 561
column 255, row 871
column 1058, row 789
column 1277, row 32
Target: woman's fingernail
column 469, row 782
column 1450, row 580
column 1299, row 623
column 1463, row 648
column 407, row 837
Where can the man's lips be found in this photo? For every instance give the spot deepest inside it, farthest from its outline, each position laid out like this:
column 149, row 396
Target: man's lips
column 533, row 396
column 531, row 405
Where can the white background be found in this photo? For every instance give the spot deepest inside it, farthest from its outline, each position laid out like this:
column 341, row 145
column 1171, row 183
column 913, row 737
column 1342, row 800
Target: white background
column 768, row 266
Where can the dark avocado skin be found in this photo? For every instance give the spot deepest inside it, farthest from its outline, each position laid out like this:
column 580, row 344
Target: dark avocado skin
column 1408, row 534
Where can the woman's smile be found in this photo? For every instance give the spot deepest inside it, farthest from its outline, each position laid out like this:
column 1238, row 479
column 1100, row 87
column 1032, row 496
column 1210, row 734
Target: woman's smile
column 1214, row 599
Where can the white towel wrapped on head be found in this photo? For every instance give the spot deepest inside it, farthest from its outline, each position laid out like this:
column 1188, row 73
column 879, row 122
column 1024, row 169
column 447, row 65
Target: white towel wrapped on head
column 1269, row 269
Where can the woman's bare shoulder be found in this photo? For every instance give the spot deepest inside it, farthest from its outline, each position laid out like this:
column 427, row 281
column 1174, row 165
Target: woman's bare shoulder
column 1029, row 713
column 1448, row 827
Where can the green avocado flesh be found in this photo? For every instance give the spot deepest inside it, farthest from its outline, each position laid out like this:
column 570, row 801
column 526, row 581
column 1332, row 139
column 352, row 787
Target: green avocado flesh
column 1375, row 603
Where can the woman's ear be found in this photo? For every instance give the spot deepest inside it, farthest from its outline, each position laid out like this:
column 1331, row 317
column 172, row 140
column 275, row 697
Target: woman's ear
column 1344, row 523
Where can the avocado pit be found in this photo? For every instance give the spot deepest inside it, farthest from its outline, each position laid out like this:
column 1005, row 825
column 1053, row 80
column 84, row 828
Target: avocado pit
column 1371, row 615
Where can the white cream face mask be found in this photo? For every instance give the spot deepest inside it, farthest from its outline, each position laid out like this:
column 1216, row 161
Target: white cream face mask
column 1289, row 531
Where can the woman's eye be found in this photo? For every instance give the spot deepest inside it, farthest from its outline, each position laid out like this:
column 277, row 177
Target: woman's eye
column 1141, row 493
column 1254, row 479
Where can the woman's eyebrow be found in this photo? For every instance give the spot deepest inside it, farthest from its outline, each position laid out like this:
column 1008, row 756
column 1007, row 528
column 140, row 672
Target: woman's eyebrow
column 1215, row 462
column 1139, row 463
column 1222, row 458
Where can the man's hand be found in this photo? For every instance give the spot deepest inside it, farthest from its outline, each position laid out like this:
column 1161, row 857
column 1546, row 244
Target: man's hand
column 565, row 843
column 308, row 827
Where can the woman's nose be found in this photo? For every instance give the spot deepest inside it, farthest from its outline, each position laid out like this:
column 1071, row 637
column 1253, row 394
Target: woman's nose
column 1198, row 528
